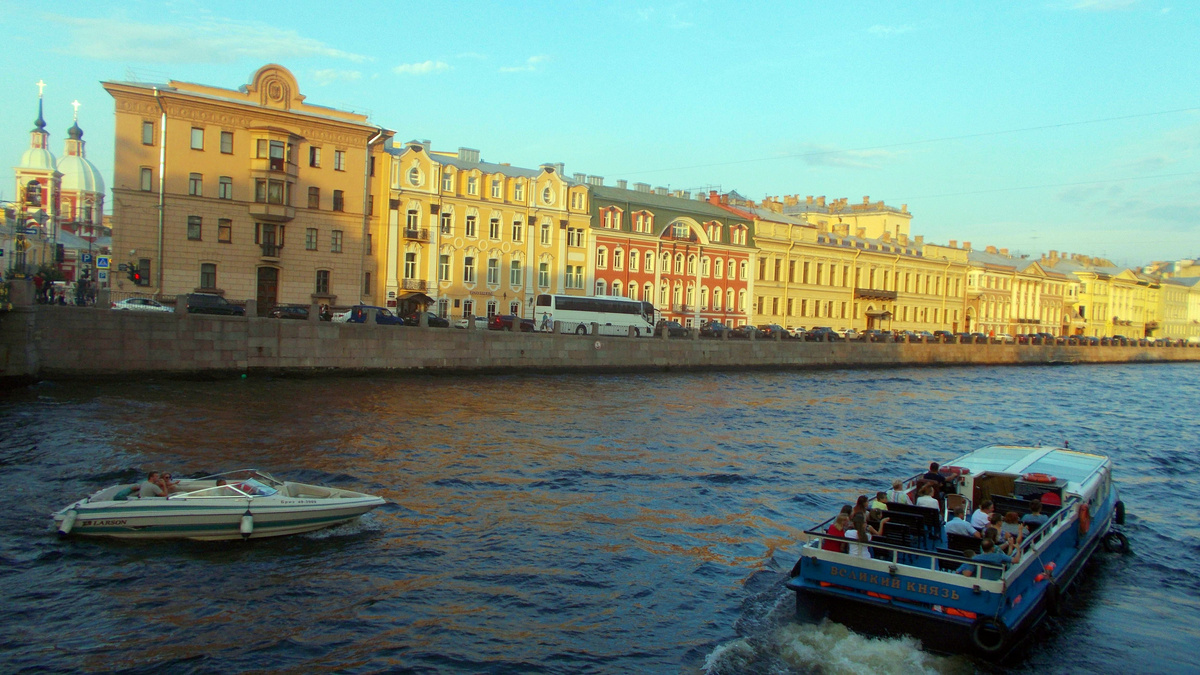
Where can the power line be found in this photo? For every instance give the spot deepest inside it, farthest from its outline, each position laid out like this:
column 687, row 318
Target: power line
column 981, row 134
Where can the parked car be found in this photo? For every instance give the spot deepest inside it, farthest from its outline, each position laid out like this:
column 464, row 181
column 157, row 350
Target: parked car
column 873, row 335
column 770, row 330
column 674, row 328
column 848, row 333
column 481, row 323
column 1089, row 340
column 713, row 329
column 299, row 312
column 745, row 331
column 358, row 314
column 211, row 303
column 432, row 320
column 943, row 335
column 507, row 321
column 140, row 305
column 822, row 334
column 1005, row 338
column 980, row 338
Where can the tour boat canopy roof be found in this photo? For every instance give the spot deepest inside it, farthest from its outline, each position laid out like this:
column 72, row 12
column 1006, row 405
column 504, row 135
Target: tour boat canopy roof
column 1073, row 467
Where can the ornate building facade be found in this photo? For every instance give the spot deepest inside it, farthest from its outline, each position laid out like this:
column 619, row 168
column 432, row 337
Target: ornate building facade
column 689, row 258
column 477, row 238
column 251, row 193
column 1013, row 295
column 33, row 217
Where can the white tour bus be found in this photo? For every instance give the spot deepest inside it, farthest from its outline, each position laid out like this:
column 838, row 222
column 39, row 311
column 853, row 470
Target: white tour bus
column 576, row 314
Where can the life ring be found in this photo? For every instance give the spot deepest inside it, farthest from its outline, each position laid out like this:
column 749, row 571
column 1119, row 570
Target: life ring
column 1085, row 518
column 1039, row 478
column 1053, row 599
column 989, row 635
column 1116, row 542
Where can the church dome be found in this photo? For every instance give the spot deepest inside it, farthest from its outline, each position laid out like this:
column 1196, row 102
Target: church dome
column 78, row 174
column 39, row 159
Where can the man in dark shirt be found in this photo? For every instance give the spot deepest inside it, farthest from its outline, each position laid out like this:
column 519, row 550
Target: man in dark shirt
column 935, row 476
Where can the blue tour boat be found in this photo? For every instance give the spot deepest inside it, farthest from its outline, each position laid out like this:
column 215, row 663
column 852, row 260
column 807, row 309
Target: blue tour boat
column 911, row 582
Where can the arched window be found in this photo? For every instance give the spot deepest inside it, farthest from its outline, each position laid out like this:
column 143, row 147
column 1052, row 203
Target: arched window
column 705, row 266
column 649, row 261
column 33, row 193
column 719, row 268
column 704, row 297
column 677, row 296
column 648, row 293
column 689, row 295
column 663, row 297
column 678, row 263
column 633, row 260
column 618, row 262
column 600, row 289
column 716, row 298
column 729, row 299
column 601, row 258
column 617, row 288
column 666, row 262
column 741, row 301
column 691, row 265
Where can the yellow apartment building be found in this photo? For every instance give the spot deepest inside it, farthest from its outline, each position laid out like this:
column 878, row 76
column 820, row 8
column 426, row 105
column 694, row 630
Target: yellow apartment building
column 1011, row 295
column 1111, row 300
column 477, row 238
column 251, row 193
column 823, row 267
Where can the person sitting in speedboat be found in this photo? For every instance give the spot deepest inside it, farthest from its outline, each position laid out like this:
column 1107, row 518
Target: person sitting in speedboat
column 153, row 486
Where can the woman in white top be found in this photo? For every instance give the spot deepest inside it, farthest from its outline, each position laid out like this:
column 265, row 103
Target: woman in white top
column 927, row 500
column 863, row 534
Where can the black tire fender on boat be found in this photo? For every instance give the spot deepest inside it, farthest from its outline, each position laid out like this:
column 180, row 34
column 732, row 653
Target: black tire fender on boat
column 1116, row 542
column 1053, row 599
column 1119, row 513
column 990, row 635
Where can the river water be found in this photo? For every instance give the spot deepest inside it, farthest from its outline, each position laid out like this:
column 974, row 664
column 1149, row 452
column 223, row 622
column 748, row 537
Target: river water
column 564, row 524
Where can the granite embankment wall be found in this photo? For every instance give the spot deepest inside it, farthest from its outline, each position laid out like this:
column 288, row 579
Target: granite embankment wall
column 51, row 342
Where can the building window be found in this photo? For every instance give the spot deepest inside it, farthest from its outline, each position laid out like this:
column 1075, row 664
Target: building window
column 518, row 231
column 196, row 185
column 314, row 157
column 519, row 192
column 335, row 241
column 469, row 270
column 339, row 160
column 412, row 219
column 743, row 269
column 471, row 226
column 147, row 179
column 547, row 195
column 491, row 308
column 197, row 138
column 601, row 289
column 367, row 243
column 269, row 191
column 493, row 271
column 544, row 275
column 545, row 233
column 633, row 260
column 147, row 133
column 447, row 222
column 497, row 188
column 447, row 182
column 577, row 201
column 339, row 201
column 224, row 230
column 410, row 265
column 314, row 197
column 494, row 229
column 649, row 261
column 514, row 273
column 208, row 275
column 472, row 185
column 225, row 187
column 618, row 261
column 366, row 283
column 310, row 239
column 601, row 258
column 574, row 236
column 322, row 287
column 468, row 307
column 193, row 228
column 443, row 268
column 227, row 142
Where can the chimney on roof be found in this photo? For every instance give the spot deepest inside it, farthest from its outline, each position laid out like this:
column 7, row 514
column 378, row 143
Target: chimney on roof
column 866, row 199
column 919, row 240
column 468, row 155
column 622, row 184
column 966, row 246
column 808, row 200
column 903, row 239
column 686, row 194
column 990, row 249
column 641, row 187
column 887, row 236
column 904, row 208
column 953, row 243
column 821, row 201
column 598, row 181
column 1004, row 251
column 559, row 168
column 661, row 191
column 579, row 177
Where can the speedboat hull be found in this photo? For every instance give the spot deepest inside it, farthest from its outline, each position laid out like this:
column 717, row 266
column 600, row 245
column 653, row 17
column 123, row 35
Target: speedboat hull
column 204, row 511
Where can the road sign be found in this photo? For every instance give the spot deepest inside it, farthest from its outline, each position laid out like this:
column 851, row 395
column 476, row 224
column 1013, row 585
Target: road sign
column 85, row 258
column 103, row 275
column 102, row 262
column 122, row 267
column 28, row 230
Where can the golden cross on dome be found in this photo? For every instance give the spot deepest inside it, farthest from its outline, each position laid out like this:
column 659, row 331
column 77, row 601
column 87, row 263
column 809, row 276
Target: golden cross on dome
column 41, row 85
column 75, row 104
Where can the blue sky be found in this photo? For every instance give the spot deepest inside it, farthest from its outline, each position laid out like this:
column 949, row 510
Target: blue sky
column 1070, row 125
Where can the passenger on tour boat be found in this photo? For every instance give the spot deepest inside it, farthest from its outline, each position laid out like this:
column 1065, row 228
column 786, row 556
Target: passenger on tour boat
column 874, row 519
column 1002, row 543
column 860, row 506
column 880, row 501
column 1011, row 527
column 837, row 529
column 959, row 525
column 863, row 534
column 979, row 519
column 1035, row 518
column 967, row 569
column 927, row 499
column 935, row 477
column 898, row 494
column 989, row 554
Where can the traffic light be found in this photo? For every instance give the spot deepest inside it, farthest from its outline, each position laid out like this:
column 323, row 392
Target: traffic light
column 135, row 275
column 60, row 253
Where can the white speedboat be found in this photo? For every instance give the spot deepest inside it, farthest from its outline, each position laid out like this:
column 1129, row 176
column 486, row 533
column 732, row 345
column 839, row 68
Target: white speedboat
column 243, row 504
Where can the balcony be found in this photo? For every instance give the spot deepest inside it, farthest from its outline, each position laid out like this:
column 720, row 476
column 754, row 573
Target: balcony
column 689, row 237
column 271, row 251
column 681, row 309
column 277, row 213
column 412, row 284
column 417, row 234
column 261, row 167
column 874, row 294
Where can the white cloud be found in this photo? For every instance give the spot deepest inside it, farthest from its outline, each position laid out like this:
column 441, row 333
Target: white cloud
column 330, row 75
column 827, row 155
column 422, row 68
column 879, row 29
column 531, row 64
column 202, row 40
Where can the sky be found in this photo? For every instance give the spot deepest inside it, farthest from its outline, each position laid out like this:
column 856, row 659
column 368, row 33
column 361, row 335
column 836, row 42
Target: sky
column 1069, row 125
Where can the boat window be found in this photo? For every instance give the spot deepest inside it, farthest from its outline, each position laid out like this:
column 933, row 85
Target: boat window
column 259, row 489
